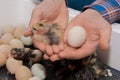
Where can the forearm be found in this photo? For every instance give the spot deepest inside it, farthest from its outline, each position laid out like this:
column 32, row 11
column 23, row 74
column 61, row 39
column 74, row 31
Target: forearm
column 109, row 9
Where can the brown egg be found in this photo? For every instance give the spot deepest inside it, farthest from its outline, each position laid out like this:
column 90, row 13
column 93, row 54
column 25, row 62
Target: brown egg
column 8, row 29
column 5, row 48
column 3, row 59
column 19, row 31
column 12, row 64
column 6, row 38
column 23, row 73
column 16, row 43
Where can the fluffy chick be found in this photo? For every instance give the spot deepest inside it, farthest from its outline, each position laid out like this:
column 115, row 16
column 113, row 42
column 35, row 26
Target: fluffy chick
column 27, row 54
column 48, row 33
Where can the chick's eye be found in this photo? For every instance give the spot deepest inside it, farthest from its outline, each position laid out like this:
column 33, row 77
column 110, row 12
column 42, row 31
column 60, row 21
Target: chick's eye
column 35, row 29
column 41, row 24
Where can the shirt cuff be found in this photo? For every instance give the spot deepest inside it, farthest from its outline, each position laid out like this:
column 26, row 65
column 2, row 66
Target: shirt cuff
column 109, row 9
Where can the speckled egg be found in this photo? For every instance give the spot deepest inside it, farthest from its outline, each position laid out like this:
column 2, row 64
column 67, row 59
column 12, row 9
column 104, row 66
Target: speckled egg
column 76, row 36
column 23, row 73
column 16, row 43
column 12, row 64
column 38, row 56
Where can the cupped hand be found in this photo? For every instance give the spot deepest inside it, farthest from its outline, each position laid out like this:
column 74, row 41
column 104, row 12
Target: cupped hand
column 98, row 34
column 54, row 11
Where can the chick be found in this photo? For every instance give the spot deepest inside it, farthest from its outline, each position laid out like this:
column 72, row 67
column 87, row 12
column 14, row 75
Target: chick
column 48, row 33
column 26, row 54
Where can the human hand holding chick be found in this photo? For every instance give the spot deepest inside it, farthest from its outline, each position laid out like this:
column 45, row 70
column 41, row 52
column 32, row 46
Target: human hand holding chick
column 54, row 11
column 98, row 34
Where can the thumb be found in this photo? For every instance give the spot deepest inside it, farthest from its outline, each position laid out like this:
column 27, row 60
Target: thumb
column 28, row 32
column 105, row 38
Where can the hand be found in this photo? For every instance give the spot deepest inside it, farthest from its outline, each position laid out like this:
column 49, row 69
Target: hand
column 98, row 34
column 48, row 11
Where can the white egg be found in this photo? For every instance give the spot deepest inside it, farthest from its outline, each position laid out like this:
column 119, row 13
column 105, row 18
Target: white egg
column 27, row 41
column 38, row 70
column 76, row 36
column 35, row 78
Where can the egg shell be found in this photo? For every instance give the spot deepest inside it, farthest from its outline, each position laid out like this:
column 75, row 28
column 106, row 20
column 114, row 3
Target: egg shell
column 3, row 59
column 12, row 64
column 76, row 36
column 23, row 73
column 35, row 78
column 5, row 48
column 8, row 29
column 19, row 31
column 38, row 56
column 38, row 70
column 16, row 43
column 27, row 41
column 6, row 38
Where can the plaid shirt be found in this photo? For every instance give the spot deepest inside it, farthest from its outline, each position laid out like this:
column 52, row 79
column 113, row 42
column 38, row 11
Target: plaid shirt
column 109, row 9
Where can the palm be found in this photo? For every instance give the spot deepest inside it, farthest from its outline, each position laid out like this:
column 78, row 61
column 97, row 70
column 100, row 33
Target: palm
column 48, row 11
column 98, row 34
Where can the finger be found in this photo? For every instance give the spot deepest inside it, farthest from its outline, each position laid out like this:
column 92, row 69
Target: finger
column 87, row 49
column 73, row 23
column 49, row 50
column 35, row 18
column 61, row 46
column 39, row 45
column 54, row 57
column 105, row 38
column 28, row 32
column 55, row 49
column 46, row 57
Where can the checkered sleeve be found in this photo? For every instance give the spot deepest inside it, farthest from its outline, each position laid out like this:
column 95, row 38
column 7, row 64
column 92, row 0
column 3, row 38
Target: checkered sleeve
column 109, row 9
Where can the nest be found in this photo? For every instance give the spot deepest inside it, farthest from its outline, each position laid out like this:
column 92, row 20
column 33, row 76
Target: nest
column 89, row 68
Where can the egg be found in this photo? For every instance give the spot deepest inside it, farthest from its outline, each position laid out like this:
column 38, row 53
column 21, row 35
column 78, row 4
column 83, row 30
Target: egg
column 23, row 73
column 12, row 65
column 35, row 78
column 3, row 59
column 76, row 36
column 6, row 38
column 38, row 56
column 19, row 31
column 38, row 70
column 6, row 49
column 27, row 41
column 16, row 43
column 8, row 29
